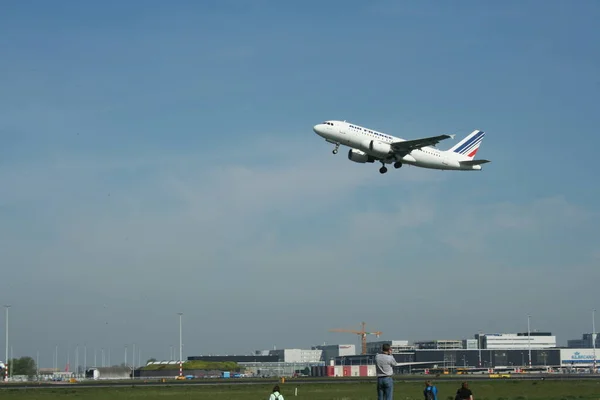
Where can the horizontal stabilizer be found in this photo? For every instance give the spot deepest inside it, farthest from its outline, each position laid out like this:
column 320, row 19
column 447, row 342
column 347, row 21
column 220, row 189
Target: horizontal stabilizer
column 474, row 162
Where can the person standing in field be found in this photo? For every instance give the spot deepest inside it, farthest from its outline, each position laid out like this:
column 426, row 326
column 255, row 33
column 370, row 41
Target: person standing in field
column 430, row 391
column 276, row 395
column 384, row 363
column 464, row 393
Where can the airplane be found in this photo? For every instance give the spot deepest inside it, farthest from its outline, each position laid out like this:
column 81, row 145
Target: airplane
column 367, row 146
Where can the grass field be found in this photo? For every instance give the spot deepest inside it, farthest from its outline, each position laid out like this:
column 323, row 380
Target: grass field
column 483, row 390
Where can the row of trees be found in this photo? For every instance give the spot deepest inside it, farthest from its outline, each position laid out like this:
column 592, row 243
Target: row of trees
column 22, row 366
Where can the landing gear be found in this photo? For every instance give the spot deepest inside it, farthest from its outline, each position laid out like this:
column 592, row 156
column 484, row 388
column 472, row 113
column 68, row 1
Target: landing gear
column 397, row 164
column 337, row 146
column 383, row 169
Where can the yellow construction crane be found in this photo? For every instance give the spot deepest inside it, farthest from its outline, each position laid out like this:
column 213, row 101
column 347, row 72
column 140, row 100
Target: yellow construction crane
column 363, row 335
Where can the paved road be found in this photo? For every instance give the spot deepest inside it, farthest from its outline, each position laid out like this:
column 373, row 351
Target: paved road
column 214, row 382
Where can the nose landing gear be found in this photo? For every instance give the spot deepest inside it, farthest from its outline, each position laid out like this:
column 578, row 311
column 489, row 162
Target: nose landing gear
column 337, row 146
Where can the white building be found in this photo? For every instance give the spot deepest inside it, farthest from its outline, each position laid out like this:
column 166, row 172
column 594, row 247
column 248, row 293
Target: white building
column 398, row 346
column 297, row 355
column 578, row 358
column 517, row 341
column 330, row 352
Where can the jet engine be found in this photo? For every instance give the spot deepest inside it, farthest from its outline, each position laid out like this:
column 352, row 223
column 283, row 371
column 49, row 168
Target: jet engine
column 379, row 149
column 359, row 156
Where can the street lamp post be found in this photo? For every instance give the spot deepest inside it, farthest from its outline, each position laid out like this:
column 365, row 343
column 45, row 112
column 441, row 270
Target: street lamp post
column 529, row 339
column 6, row 335
column 479, row 347
column 180, row 346
column 594, row 339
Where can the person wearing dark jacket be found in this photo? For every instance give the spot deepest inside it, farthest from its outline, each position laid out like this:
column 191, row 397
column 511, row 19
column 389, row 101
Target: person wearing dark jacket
column 464, row 393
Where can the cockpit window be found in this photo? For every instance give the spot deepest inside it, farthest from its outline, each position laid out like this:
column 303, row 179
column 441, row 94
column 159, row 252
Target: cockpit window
column 328, row 123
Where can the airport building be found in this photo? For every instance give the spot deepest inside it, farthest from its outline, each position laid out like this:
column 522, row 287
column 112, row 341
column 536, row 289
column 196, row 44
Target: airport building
column 397, row 346
column 440, row 344
column 330, row 352
column 454, row 359
column 297, row 355
column 238, row 358
column 269, row 363
column 486, row 352
column 586, row 342
column 513, row 341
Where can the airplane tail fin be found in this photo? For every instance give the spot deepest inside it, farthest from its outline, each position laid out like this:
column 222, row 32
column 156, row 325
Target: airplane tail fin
column 469, row 145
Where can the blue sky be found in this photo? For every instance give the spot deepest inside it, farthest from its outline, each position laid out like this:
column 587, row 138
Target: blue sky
column 161, row 158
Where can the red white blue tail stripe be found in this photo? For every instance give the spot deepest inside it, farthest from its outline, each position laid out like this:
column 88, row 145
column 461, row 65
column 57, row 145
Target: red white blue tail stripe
column 469, row 145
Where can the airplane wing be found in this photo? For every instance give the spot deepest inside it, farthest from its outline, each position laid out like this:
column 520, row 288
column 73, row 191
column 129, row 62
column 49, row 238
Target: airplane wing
column 407, row 146
column 404, row 364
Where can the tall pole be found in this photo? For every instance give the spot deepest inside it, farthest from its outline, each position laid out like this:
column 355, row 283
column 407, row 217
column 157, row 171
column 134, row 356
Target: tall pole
column 180, row 337
column 6, row 334
column 180, row 347
column 594, row 339
column 133, row 361
column 529, row 339
column 479, row 347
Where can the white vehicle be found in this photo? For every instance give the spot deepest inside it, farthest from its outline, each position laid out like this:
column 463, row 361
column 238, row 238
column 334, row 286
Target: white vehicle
column 367, row 146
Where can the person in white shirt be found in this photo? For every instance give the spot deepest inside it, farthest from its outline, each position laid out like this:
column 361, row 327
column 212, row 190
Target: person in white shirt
column 384, row 364
column 276, row 395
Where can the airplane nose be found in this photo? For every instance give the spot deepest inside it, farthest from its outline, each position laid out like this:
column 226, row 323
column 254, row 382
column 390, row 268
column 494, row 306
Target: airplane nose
column 317, row 129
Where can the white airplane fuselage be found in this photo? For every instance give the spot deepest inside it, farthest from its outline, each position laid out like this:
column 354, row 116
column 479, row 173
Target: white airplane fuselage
column 368, row 145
